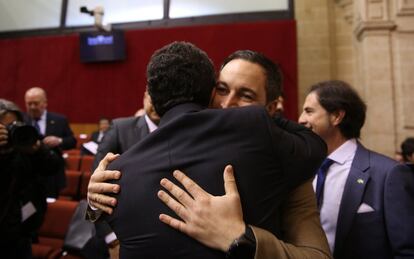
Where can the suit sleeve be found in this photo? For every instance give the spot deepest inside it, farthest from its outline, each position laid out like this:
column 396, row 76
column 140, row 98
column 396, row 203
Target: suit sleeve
column 108, row 144
column 301, row 151
column 68, row 139
column 94, row 136
column 302, row 232
column 47, row 161
column 399, row 211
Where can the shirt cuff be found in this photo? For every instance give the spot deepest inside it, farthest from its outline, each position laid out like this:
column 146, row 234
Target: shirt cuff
column 110, row 238
column 90, row 206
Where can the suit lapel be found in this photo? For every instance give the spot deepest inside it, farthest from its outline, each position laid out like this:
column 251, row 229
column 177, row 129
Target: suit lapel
column 141, row 128
column 351, row 199
column 49, row 125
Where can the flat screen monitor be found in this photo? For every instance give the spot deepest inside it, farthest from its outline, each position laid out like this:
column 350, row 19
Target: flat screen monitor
column 102, row 46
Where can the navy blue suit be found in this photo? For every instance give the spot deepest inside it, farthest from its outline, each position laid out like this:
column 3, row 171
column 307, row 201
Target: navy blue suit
column 388, row 231
column 268, row 162
column 57, row 125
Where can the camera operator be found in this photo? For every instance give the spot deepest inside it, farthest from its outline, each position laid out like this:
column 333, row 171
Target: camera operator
column 24, row 160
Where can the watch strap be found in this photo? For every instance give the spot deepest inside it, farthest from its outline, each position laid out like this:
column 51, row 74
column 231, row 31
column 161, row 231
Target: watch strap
column 243, row 247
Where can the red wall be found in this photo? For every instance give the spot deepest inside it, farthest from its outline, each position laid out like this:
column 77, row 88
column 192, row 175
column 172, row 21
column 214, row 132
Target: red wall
column 84, row 92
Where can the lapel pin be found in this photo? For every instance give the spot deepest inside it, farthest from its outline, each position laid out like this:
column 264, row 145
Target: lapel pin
column 52, row 122
column 360, row 181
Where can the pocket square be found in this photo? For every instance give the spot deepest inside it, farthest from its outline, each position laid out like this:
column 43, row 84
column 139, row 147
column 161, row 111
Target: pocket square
column 364, row 208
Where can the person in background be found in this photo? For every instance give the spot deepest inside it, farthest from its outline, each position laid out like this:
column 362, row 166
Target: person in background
column 246, row 78
column 365, row 199
column 122, row 134
column 103, row 125
column 125, row 132
column 55, row 131
column 407, row 152
column 96, row 137
column 24, row 161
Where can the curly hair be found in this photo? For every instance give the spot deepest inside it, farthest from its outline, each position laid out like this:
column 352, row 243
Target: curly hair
column 179, row 73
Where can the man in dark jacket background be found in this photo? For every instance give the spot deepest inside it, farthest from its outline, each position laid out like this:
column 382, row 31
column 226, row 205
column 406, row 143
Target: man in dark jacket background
column 24, row 161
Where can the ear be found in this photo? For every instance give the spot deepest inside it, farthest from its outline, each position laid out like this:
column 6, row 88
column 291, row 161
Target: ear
column 271, row 107
column 337, row 117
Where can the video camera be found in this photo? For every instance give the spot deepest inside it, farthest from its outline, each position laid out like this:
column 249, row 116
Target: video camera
column 22, row 135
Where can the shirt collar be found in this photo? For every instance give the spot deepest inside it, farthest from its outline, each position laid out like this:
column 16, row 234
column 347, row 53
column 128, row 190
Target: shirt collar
column 43, row 116
column 344, row 151
column 151, row 125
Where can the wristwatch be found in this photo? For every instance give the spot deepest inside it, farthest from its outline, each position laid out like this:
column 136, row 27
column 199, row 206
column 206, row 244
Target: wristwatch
column 113, row 244
column 243, row 247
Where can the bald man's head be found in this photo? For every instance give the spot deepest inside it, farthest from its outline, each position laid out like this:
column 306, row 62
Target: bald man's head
column 36, row 102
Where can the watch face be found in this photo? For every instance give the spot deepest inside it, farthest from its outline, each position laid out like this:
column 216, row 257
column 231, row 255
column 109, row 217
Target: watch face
column 243, row 247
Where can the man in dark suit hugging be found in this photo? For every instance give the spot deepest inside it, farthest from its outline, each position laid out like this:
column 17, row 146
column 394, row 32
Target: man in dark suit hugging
column 202, row 142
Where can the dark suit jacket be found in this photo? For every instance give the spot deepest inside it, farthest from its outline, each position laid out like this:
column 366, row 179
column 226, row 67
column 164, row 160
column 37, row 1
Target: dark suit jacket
column 387, row 232
column 411, row 166
column 123, row 133
column 267, row 160
column 57, row 125
column 94, row 136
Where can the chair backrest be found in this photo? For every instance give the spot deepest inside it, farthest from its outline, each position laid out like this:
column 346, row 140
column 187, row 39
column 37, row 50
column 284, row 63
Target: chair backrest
column 82, row 138
column 73, row 180
column 54, row 228
column 86, row 176
column 56, row 222
column 72, row 162
column 86, row 163
column 72, row 152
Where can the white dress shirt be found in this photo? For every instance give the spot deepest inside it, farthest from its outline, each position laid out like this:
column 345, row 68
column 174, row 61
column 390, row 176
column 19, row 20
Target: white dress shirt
column 100, row 136
column 334, row 187
column 42, row 123
column 151, row 125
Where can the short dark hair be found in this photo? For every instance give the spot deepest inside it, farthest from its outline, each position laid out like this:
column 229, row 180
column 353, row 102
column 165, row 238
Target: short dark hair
column 334, row 96
column 407, row 148
column 7, row 106
column 274, row 79
column 179, row 73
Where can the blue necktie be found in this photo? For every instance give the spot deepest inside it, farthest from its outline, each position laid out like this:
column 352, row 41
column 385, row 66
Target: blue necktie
column 36, row 125
column 320, row 181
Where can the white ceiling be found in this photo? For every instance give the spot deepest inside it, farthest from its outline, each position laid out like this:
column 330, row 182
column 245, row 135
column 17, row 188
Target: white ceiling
column 39, row 14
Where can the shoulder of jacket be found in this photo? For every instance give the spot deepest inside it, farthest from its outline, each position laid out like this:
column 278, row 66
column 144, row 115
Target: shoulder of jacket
column 125, row 122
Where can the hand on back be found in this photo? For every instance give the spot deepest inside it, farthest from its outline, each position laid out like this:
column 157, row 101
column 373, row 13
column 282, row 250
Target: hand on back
column 97, row 187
